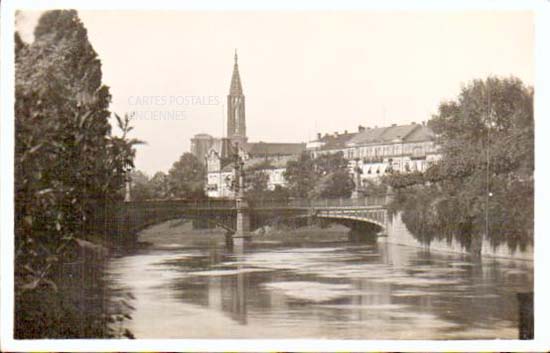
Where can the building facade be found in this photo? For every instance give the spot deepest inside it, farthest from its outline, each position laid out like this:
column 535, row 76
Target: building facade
column 374, row 152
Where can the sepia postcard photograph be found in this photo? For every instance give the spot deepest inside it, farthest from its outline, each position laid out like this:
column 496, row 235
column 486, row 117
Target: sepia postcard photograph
column 336, row 175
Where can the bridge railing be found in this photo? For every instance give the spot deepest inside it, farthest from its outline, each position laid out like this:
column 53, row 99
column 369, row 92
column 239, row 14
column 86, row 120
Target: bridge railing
column 190, row 204
column 308, row 203
column 259, row 203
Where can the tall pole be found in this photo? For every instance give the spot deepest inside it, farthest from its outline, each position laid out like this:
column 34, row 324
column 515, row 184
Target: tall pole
column 487, row 192
column 128, row 188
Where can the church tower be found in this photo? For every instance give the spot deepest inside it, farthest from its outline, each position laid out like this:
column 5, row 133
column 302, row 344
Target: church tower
column 236, row 123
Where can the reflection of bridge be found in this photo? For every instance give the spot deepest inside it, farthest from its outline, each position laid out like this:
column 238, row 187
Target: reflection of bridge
column 238, row 217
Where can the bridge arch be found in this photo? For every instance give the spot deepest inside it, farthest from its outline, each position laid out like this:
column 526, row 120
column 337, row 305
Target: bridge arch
column 144, row 225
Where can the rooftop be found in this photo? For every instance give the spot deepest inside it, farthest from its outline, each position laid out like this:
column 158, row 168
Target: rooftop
column 396, row 133
column 262, row 163
column 259, row 149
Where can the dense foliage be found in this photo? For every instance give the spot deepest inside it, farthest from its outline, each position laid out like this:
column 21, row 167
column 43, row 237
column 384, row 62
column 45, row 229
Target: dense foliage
column 67, row 161
column 257, row 187
column 186, row 177
column 326, row 176
column 484, row 183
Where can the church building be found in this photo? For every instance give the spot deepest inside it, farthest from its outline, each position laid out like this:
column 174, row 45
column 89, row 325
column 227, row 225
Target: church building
column 219, row 154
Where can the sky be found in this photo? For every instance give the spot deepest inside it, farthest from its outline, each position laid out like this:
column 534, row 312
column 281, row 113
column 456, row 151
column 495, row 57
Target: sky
column 302, row 72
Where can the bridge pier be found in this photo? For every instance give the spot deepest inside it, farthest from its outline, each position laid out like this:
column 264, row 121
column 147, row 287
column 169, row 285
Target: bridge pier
column 232, row 242
column 242, row 229
column 243, row 219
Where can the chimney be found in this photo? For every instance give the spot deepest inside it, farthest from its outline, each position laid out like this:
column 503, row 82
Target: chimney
column 393, row 125
column 361, row 128
column 318, row 136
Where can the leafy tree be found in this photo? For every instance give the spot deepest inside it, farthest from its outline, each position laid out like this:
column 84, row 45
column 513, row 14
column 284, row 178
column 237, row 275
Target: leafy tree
column 333, row 184
column 186, row 177
column 256, row 184
column 67, row 162
column 159, row 185
column 326, row 176
column 141, row 187
column 329, row 163
column 301, row 176
column 374, row 188
column 484, row 182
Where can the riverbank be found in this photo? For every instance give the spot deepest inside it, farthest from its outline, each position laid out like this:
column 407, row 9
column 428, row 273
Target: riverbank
column 398, row 233
column 73, row 305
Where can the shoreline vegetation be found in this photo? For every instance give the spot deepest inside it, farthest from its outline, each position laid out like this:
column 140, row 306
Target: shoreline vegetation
column 483, row 187
column 67, row 162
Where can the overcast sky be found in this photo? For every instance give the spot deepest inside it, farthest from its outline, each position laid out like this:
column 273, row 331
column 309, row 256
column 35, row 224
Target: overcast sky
column 302, row 72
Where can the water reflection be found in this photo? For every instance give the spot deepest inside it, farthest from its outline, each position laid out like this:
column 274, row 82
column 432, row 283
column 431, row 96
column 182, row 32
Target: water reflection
column 192, row 286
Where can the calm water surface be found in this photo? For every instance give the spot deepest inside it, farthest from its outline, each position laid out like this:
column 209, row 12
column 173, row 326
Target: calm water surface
column 189, row 285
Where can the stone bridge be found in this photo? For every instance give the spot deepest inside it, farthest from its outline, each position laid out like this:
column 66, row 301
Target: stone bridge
column 124, row 220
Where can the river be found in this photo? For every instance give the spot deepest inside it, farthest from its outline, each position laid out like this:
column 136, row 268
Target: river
column 188, row 284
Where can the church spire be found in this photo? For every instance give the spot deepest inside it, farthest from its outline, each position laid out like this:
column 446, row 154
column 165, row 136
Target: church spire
column 236, row 118
column 236, row 88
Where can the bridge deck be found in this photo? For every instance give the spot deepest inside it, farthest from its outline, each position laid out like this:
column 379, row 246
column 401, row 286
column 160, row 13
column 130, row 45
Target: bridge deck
column 130, row 217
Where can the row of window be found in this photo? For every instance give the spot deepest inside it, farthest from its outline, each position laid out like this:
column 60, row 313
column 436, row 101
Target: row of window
column 415, row 149
column 392, row 150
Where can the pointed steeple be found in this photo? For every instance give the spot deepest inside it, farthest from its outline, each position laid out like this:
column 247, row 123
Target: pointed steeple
column 236, row 117
column 236, row 88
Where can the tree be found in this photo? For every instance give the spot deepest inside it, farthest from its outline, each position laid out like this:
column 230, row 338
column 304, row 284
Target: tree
column 334, row 184
column 300, row 175
column 326, row 176
column 256, row 184
column 494, row 116
column 141, row 187
column 67, row 161
column 186, row 178
column 159, row 185
column 484, row 183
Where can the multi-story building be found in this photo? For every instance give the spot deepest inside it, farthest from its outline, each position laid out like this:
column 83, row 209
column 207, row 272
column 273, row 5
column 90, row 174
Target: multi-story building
column 220, row 182
column 380, row 150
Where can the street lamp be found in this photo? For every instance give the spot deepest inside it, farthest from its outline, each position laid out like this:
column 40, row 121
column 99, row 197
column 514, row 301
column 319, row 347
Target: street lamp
column 357, row 173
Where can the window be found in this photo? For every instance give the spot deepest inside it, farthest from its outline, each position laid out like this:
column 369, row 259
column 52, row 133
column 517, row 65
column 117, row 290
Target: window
column 418, row 153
